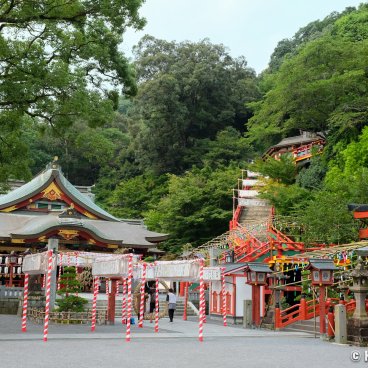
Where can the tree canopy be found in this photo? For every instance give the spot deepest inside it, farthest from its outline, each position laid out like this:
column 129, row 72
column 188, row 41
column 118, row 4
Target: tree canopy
column 59, row 63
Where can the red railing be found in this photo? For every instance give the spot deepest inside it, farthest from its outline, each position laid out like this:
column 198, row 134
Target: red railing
column 306, row 310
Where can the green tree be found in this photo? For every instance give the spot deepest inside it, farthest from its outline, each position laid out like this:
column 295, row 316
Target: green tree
column 323, row 87
column 69, row 285
column 197, row 207
column 283, row 170
column 188, row 93
column 59, row 63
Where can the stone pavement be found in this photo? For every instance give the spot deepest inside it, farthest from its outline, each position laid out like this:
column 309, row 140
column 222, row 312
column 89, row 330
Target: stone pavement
column 10, row 329
column 176, row 346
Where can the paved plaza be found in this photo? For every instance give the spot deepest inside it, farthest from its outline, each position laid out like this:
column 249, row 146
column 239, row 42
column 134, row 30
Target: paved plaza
column 175, row 345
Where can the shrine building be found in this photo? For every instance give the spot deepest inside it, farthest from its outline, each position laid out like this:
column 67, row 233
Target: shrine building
column 49, row 206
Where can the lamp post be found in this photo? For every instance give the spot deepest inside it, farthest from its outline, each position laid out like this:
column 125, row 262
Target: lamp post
column 322, row 276
column 11, row 262
column 257, row 277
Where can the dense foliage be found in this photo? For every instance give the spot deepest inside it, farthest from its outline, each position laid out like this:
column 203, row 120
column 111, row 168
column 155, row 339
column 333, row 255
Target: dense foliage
column 69, row 285
column 173, row 152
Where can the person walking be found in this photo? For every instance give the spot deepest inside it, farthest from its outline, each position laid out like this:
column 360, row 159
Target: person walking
column 171, row 298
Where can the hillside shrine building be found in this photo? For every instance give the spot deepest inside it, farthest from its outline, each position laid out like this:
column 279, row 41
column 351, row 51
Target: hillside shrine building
column 49, row 206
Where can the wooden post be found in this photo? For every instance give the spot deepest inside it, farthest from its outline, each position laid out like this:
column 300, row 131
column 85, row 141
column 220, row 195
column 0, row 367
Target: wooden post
column 277, row 318
column 303, row 309
column 256, row 305
column 111, row 301
column 322, row 311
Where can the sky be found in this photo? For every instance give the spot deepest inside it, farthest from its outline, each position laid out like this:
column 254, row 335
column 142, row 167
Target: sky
column 250, row 28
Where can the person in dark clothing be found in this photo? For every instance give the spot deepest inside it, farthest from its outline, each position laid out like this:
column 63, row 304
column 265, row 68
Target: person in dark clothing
column 171, row 298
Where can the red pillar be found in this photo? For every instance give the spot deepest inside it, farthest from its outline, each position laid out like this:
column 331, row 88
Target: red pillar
column 322, row 310
column 303, row 309
column 182, row 288
column 111, row 302
column 256, row 304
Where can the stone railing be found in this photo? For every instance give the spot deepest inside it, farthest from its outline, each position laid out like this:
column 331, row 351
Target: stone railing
column 10, row 292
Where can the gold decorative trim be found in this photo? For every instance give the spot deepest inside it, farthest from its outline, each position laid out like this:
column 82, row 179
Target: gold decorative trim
column 18, row 241
column 52, row 192
column 68, row 234
column 112, row 246
column 9, row 209
column 89, row 215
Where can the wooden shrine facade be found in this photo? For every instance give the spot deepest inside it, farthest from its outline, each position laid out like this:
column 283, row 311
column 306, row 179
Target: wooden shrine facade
column 49, row 206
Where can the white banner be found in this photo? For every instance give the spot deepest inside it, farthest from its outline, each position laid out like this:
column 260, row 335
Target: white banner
column 150, row 272
column 178, row 270
column 110, row 268
column 36, row 264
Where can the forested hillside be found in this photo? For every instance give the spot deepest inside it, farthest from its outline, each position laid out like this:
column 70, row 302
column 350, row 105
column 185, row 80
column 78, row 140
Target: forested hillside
column 170, row 148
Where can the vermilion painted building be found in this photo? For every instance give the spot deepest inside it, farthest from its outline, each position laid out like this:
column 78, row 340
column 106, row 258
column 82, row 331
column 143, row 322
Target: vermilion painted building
column 50, row 206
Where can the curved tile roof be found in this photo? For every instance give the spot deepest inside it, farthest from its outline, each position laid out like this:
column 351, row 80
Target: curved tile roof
column 123, row 233
column 41, row 181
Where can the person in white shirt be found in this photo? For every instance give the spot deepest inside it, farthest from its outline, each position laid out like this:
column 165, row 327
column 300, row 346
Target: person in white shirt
column 171, row 298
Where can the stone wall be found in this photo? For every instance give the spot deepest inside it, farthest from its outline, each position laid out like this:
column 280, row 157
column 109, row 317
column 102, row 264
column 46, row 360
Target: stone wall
column 36, row 300
column 9, row 306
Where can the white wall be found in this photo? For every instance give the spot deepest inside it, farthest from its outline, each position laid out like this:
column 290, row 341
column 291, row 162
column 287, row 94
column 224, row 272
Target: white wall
column 243, row 292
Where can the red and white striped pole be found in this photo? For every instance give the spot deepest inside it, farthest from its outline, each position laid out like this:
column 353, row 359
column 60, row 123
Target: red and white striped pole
column 48, row 294
column 76, row 266
column 107, row 286
column 94, row 302
column 43, row 281
column 117, row 287
column 143, row 287
column 129, row 309
column 201, row 298
column 25, row 303
column 223, row 296
column 156, row 307
column 186, row 287
column 123, row 312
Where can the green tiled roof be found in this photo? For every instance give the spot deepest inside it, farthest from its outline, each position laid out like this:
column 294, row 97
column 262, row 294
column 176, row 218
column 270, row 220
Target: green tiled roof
column 26, row 190
column 41, row 181
column 82, row 199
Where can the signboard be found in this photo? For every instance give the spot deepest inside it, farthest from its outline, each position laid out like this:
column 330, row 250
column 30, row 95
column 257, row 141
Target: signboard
column 212, row 273
column 177, row 270
column 36, row 264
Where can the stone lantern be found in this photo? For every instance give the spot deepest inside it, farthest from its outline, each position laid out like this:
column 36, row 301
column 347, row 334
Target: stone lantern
column 322, row 276
column 11, row 261
column 358, row 325
column 257, row 277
